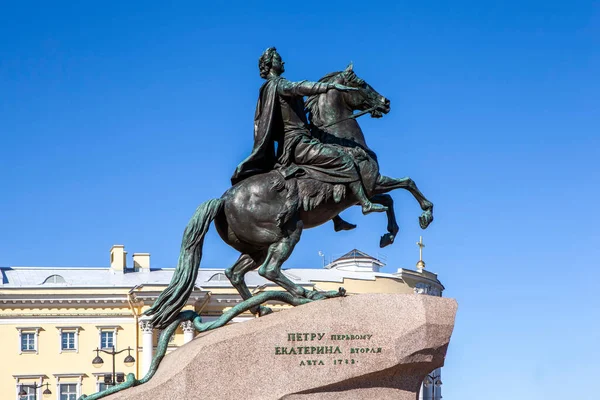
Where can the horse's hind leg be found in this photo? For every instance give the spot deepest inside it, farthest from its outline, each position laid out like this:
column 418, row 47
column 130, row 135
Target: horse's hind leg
column 277, row 254
column 236, row 274
column 385, row 184
column 392, row 227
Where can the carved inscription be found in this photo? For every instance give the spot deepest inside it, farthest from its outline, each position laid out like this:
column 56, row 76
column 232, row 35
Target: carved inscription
column 327, row 349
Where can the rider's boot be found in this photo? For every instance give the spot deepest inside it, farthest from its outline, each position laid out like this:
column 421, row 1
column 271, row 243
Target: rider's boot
column 367, row 206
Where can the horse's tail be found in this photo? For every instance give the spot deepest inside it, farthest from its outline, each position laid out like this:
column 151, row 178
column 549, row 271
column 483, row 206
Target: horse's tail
column 166, row 308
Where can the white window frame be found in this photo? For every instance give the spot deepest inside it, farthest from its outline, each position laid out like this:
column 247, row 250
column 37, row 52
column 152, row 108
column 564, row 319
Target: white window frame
column 68, row 329
column 100, row 382
column 112, row 329
column 25, row 381
column 100, row 378
column 24, row 386
column 36, row 332
column 77, row 389
column 69, row 379
column 107, row 332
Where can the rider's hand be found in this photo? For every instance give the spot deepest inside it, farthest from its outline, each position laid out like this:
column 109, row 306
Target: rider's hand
column 343, row 88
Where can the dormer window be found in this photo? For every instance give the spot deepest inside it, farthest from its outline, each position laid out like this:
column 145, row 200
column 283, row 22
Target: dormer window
column 220, row 277
column 54, row 279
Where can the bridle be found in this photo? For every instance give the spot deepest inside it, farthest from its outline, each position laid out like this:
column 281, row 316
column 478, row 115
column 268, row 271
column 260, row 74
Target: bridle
column 353, row 116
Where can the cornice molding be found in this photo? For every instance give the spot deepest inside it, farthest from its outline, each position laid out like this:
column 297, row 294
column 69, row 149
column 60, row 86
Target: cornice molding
column 104, row 321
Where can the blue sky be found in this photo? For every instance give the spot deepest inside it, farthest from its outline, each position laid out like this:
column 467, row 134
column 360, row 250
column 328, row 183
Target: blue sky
column 117, row 120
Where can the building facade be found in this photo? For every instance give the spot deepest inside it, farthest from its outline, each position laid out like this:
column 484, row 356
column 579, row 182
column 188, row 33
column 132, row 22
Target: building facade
column 55, row 322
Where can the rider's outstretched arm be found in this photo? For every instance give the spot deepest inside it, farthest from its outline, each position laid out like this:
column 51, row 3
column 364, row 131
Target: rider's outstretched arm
column 307, row 88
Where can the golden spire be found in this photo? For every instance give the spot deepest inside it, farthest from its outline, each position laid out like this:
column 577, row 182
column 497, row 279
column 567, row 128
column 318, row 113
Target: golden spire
column 420, row 263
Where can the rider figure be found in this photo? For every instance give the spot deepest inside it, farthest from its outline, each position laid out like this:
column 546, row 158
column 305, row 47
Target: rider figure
column 280, row 117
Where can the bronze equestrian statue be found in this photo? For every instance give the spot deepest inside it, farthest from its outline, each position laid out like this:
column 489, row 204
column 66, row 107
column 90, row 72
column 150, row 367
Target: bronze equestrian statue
column 302, row 172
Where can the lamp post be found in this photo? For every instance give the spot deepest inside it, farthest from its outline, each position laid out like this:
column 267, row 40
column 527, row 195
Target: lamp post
column 97, row 362
column 47, row 393
column 435, row 382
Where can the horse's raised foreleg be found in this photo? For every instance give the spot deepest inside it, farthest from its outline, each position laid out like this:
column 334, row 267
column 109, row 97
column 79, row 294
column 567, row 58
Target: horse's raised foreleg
column 277, row 254
column 392, row 227
column 236, row 274
column 385, row 184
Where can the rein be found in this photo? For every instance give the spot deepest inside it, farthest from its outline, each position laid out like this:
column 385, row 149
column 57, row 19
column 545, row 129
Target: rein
column 353, row 116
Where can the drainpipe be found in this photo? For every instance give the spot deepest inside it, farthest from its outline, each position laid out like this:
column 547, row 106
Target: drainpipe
column 205, row 302
column 137, row 331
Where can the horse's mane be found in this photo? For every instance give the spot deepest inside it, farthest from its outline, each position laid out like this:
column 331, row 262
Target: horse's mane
column 312, row 103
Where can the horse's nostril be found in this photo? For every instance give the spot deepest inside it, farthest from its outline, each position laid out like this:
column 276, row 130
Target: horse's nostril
column 387, row 102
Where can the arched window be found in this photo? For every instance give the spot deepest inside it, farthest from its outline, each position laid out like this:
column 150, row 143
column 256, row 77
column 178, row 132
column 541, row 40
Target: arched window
column 220, row 277
column 54, row 279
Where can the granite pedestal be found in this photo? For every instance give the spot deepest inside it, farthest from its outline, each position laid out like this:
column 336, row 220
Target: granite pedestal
column 369, row 346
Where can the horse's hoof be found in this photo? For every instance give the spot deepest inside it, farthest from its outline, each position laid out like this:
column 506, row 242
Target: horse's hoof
column 425, row 219
column 316, row 295
column 343, row 226
column 262, row 311
column 386, row 240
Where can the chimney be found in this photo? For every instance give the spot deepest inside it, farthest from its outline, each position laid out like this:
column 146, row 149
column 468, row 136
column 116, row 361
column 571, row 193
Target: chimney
column 141, row 262
column 118, row 262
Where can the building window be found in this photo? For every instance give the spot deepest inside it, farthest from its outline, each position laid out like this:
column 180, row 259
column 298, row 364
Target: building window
column 107, row 339
column 103, row 386
column 68, row 341
column 31, row 395
column 68, row 391
column 54, row 279
column 219, row 278
column 28, row 341
column 68, row 338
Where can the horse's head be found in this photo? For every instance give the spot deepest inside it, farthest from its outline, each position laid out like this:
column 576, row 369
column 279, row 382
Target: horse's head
column 365, row 97
column 322, row 107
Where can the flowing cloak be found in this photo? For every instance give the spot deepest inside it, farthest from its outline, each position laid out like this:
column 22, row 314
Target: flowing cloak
column 298, row 154
column 267, row 130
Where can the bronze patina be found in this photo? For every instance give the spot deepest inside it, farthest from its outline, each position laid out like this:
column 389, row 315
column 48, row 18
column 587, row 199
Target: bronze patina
column 310, row 161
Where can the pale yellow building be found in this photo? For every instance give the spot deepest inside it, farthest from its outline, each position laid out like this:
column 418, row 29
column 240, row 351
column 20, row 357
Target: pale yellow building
column 53, row 319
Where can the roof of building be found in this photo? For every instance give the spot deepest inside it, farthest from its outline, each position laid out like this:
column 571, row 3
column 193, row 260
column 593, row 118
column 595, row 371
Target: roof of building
column 105, row 277
column 20, row 277
column 335, row 275
column 355, row 253
column 98, row 277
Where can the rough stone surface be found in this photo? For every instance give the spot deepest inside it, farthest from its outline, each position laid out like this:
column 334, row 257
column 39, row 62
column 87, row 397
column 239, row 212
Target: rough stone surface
column 240, row 362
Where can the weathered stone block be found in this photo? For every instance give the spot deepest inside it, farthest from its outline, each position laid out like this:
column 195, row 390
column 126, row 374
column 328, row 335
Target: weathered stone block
column 370, row 346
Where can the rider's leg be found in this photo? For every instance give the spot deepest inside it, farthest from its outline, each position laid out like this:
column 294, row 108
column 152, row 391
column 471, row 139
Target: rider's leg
column 311, row 152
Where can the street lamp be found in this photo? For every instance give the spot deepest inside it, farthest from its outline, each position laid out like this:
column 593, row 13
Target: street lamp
column 46, row 393
column 97, row 362
column 435, row 381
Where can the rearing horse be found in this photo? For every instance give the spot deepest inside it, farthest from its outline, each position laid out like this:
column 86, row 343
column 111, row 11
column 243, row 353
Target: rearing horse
column 248, row 216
